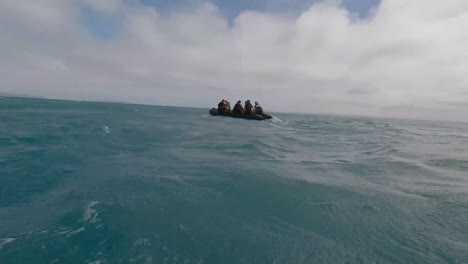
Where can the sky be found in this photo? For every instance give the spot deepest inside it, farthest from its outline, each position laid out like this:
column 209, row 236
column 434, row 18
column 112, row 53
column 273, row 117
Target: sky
column 394, row 58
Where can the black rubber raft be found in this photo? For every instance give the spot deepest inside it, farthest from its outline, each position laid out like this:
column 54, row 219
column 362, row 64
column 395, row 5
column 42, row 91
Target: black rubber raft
column 214, row 112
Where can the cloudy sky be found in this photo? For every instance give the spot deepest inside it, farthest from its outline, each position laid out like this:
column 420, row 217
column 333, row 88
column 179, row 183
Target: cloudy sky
column 364, row 57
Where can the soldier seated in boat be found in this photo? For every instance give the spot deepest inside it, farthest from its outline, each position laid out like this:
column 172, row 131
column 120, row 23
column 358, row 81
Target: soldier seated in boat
column 222, row 107
column 248, row 108
column 238, row 109
column 228, row 106
column 258, row 109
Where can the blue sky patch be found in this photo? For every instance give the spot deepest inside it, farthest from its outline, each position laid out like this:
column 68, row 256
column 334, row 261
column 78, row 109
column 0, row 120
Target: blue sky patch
column 101, row 25
column 107, row 27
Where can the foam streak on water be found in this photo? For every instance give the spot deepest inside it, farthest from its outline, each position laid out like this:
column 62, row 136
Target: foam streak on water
column 4, row 241
column 176, row 185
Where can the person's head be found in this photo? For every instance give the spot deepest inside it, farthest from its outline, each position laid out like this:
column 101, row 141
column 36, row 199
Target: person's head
column 239, row 102
column 256, row 103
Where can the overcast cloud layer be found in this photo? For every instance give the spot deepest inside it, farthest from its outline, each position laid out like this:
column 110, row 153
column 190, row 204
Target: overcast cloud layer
column 408, row 59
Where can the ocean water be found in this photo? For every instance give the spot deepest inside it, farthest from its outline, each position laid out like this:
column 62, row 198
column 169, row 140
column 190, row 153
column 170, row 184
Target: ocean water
column 100, row 183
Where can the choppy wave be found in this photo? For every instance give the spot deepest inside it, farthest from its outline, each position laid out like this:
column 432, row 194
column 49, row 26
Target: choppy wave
column 176, row 185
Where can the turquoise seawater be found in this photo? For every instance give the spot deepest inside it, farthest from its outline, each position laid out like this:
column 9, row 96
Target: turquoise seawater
column 102, row 183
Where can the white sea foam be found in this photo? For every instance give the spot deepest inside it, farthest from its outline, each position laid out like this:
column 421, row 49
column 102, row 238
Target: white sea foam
column 4, row 241
column 277, row 120
column 90, row 214
column 106, row 129
column 64, row 232
column 79, row 230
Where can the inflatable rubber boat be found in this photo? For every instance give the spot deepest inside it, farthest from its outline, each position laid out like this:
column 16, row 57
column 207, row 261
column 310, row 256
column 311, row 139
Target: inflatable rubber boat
column 214, row 112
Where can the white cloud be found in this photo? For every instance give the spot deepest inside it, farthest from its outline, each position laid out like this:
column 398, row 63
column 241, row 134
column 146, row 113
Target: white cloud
column 408, row 59
column 105, row 6
column 43, row 16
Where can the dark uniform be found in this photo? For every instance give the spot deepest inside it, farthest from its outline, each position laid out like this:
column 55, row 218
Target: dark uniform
column 258, row 110
column 248, row 108
column 238, row 109
column 222, row 107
